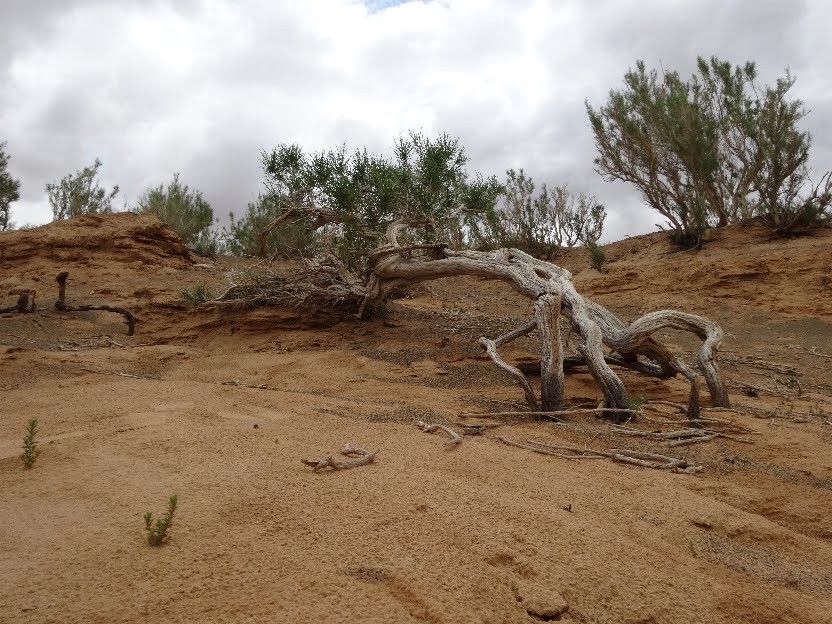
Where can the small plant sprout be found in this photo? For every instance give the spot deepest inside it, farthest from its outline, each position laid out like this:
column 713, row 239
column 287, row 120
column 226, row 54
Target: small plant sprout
column 157, row 532
column 637, row 400
column 30, row 444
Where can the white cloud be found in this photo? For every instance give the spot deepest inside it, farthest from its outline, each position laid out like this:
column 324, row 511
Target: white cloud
column 200, row 87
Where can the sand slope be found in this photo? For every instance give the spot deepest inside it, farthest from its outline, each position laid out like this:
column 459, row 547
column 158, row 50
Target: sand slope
column 480, row 533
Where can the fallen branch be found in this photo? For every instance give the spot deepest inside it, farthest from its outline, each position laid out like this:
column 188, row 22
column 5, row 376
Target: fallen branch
column 554, row 415
column 564, row 452
column 23, row 305
column 626, row 456
column 430, row 428
column 117, row 374
column 358, row 457
column 61, row 305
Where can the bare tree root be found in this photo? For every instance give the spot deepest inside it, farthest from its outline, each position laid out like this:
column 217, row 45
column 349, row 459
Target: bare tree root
column 61, row 305
column 604, row 339
column 551, row 289
column 357, row 457
column 635, row 458
column 681, row 437
column 25, row 302
column 455, row 440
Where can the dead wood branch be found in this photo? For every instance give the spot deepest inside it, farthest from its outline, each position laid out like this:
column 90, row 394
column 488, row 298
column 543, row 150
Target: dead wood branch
column 118, row 374
column 603, row 339
column 357, row 457
column 564, row 452
column 430, row 428
column 550, row 287
column 555, row 414
column 626, row 456
column 25, row 302
column 754, row 362
column 61, row 305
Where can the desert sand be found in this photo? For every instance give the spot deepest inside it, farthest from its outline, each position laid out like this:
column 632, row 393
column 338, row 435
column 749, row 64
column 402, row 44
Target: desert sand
column 221, row 405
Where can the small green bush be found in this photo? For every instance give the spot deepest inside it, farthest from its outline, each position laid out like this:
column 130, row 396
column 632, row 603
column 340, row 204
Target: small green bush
column 157, row 532
column 597, row 257
column 196, row 294
column 30, row 444
column 183, row 209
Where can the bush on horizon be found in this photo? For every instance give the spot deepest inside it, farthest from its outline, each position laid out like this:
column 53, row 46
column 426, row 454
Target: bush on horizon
column 716, row 149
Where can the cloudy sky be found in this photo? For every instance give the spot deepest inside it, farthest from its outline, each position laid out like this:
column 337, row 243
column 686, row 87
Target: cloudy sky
column 153, row 87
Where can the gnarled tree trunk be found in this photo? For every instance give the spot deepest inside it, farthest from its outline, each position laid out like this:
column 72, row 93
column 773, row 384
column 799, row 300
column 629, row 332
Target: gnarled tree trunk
column 551, row 290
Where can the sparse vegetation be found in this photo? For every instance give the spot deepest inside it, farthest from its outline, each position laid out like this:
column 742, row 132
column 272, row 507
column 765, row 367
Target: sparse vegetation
column 184, row 210
column 9, row 190
column 597, row 257
column 157, row 532
column 30, row 444
column 348, row 200
column 716, row 149
column 196, row 294
column 540, row 222
column 80, row 194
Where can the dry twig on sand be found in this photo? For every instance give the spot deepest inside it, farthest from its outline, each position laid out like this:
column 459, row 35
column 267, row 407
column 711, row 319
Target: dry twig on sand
column 430, row 428
column 357, row 457
column 625, row 456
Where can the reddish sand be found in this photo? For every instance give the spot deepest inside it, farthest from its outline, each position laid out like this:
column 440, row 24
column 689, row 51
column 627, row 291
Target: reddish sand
column 482, row 532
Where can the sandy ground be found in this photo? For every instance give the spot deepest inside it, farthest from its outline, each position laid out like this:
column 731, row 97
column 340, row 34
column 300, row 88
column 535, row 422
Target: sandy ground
column 482, row 532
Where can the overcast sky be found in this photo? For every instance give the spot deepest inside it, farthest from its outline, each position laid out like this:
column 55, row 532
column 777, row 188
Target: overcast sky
column 201, row 86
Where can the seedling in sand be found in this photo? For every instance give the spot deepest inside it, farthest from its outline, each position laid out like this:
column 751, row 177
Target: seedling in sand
column 157, row 532
column 30, row 444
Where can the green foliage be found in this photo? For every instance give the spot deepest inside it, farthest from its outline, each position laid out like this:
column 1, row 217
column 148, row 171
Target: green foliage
column 30, row 444
column 80, row 194
column 597, row 257
column 196, row 294
column 538, row 223
column 293, row 239
column 348, row 200
column 636, row 401
column 208, row 243
column 182, row 209
column 715, row 149
column 9, row 190
column 157, row 532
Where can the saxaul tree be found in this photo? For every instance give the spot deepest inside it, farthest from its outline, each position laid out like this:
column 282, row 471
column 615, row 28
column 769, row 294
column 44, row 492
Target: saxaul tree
column 80, row 193
column 715, row 149
column 390, row 224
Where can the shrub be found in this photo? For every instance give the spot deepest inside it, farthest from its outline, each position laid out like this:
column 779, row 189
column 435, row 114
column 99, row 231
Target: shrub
column 182, row 209
column 597, row 257
column 196, row 294
column 243, row 236
column 715, row 149
column 157, row 532
column 9, row 190
column 538, row 223
column 348, row 200
column 30, row 444
column 80, row 194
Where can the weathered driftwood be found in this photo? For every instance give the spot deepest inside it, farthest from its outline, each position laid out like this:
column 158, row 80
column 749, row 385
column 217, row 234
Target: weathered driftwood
column 605, row 340
column 357, row 457
column 61, row 305
column 551, row 289
column 430, row 428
